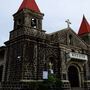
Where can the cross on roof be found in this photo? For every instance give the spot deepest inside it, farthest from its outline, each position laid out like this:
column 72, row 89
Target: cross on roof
column 68, row 22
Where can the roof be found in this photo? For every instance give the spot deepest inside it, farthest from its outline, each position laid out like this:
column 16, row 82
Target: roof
column 62, row 35
column 59, row 31
column 29, row 4
column 84, row 27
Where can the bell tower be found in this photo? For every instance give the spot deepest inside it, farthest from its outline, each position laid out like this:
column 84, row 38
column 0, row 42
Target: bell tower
column 28, row 15
column 24, row 45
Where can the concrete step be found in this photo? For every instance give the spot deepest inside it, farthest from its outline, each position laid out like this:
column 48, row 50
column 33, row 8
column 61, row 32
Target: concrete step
column 77, row 88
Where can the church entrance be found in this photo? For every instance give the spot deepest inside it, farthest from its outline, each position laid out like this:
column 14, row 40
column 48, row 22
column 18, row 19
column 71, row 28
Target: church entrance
column 73, row 76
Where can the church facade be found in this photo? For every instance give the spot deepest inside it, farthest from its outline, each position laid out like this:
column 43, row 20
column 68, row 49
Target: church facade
column 30, row 51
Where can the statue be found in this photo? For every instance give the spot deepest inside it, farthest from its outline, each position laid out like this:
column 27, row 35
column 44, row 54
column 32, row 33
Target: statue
column 51, row 67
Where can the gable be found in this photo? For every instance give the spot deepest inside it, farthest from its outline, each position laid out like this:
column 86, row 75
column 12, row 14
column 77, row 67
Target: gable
column 63, row 37
column 76, row 40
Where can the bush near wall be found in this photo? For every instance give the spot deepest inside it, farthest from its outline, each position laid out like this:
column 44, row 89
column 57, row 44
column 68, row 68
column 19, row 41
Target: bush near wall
column 52, row 83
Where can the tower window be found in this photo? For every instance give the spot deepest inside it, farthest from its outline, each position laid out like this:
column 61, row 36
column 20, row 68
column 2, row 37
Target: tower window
column 18, row 23
column 33, row 23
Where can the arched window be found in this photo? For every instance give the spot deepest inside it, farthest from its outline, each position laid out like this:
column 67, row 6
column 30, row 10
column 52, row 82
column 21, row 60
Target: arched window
column 70, row 39
column 33, row 23
column 73, row 50
column 1, row 72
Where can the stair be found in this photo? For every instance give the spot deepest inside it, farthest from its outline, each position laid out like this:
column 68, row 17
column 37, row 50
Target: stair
column 77, row 88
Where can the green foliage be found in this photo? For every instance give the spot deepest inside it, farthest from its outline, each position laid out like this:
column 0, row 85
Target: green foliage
column 51, row 78
column 52, row 83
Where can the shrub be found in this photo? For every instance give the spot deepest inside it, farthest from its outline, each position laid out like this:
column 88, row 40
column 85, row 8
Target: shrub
column 52, row 83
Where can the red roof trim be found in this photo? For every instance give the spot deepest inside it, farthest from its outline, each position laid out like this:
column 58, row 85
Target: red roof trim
column 85, row 27
column 29, row 4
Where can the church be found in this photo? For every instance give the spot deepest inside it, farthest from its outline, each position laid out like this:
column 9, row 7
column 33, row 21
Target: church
column 30, row 52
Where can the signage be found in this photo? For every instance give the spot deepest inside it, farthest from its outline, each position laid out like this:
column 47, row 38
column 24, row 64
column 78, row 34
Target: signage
column 45, row 74
column 78, row 56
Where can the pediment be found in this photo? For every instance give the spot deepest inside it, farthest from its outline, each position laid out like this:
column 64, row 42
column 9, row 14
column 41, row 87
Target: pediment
column 63, row 37
column 76, row 40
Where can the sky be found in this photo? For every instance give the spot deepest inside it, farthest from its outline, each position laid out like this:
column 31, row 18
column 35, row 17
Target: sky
column 56, row 12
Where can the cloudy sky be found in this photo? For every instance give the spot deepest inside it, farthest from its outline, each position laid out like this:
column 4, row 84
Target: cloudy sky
column 56, row 13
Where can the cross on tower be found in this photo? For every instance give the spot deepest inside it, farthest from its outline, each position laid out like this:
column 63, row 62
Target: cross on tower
column 68, row 22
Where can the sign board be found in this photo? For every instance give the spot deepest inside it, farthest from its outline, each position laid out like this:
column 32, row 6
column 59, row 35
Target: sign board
column 78, row 56
column 45, row 74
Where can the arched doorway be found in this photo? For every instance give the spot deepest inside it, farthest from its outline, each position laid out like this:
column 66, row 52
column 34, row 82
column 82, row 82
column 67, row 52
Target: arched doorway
column 73, row 76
